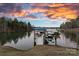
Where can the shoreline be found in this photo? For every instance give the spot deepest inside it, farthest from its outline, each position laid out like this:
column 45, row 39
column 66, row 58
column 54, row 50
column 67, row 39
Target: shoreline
column 40, row 50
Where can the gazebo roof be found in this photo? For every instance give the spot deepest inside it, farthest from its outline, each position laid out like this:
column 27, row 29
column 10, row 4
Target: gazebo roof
column 38, row 28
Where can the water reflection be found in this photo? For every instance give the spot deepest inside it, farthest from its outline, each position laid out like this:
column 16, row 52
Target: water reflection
column 29, row 33
column 9, row 36
column 27, row 40
column 73, row 36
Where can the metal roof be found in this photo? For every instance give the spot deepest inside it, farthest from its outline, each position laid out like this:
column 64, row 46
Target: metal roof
column 39, row 28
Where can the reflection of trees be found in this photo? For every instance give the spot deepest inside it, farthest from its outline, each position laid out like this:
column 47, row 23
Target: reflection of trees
column 74, row 36
column 3, row 38
column 55, row 36
column 29, row 33
column 8, row 37
column 34, row 41
column 29, row 29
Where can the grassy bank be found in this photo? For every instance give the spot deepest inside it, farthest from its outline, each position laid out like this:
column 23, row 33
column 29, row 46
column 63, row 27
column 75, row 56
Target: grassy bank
column 44, row 50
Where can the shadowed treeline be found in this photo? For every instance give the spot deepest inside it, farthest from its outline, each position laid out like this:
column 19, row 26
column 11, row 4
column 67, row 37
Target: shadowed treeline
column 71, row 30
column 12, row 30
column 73, row 23
column 9, row 25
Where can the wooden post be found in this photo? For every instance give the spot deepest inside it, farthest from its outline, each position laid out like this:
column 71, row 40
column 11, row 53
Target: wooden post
column 34, row 34
column 55, row 41
column 34, row 39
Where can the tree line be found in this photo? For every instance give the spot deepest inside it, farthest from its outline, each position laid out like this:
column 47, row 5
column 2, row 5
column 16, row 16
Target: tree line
column 9, row 25
column 73, row 23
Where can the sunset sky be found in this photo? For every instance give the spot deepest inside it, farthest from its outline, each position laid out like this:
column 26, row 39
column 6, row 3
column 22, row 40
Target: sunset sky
column 41, row 14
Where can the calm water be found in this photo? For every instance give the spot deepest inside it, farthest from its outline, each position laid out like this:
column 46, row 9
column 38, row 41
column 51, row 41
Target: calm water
column 24, row 41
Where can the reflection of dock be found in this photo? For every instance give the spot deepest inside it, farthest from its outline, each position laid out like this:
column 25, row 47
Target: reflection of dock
column 43, row 32
column 38, row 36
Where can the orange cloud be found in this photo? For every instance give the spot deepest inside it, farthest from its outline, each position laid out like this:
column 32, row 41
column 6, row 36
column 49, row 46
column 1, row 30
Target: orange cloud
column 24, row 13
column 62, row 12
column 56, row 5
column 39, row 4
column 19, row 13
column 35, row 10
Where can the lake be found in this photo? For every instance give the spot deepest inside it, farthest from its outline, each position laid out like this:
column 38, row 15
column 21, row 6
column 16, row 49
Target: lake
column 25, row 41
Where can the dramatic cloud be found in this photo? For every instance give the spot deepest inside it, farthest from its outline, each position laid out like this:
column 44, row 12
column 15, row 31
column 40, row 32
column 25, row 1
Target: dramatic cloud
column 64, row 12
column 19, row 13
column 56, row 5
column 36, row 10
column 48, row 10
